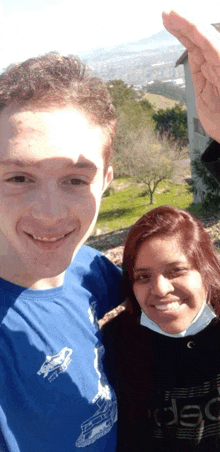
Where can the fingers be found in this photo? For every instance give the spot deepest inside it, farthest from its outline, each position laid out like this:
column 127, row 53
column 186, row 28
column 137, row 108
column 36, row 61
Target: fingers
column 210, row 100
column 190, row 34
column 208, row 107
column 212, row 74
column 204, row 75
column 197, row 76
column 180, row 27
column 175, row 23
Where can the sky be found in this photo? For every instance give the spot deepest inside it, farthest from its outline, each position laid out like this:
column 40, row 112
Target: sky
column 29, row 29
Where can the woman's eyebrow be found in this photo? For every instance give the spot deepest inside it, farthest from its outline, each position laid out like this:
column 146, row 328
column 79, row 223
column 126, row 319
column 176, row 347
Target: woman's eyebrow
column 138, row 269
column 170, row 264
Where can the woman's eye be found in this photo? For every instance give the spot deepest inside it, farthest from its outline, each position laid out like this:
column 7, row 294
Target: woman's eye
column 142, row 278
column 176, row 272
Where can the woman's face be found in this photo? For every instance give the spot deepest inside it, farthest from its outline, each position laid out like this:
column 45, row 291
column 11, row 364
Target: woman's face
column 167, row 288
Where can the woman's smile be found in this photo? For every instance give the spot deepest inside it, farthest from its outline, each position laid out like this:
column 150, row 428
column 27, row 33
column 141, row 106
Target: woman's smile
column 167, row 288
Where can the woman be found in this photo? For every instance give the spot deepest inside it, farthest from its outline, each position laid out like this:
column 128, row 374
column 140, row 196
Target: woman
column 164, row 355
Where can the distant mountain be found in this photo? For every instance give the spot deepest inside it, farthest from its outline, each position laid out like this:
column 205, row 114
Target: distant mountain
column 139, row 62
column 161, row 39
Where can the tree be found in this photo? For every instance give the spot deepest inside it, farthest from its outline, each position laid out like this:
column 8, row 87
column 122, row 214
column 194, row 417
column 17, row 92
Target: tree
column 173, row 121
column 150, row 160
column 135, row 114
column 119, row 92
column 123, row 144
column 204, row 184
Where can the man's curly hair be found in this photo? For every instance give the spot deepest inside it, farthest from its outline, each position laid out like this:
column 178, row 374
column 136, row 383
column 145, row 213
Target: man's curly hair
column 53, row 80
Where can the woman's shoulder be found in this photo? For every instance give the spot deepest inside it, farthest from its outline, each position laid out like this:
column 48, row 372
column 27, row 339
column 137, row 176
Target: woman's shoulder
column 122, row 326
column 126, row 329
column 123, row 319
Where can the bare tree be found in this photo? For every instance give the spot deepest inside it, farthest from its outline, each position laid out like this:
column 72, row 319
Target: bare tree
column 150, row 160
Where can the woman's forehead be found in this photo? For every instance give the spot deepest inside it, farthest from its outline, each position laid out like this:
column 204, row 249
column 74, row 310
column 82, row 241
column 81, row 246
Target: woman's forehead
column 160, row 250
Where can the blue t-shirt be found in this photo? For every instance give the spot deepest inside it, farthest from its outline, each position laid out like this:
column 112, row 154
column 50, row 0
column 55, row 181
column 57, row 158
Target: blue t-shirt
column 54, row 395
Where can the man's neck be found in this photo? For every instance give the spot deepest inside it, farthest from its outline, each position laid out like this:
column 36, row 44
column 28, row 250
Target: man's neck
column 12, row 269
column 48, row 283
column 28, row 281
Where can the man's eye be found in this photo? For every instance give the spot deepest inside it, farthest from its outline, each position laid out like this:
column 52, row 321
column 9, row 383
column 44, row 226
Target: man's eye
column 75, row 181
column 18, row 180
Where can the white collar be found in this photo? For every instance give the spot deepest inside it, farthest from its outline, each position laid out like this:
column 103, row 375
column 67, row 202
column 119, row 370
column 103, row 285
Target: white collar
column 202, row 319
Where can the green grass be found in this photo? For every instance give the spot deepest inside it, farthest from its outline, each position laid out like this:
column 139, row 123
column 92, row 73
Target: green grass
column 159, row 101
column 123, row 208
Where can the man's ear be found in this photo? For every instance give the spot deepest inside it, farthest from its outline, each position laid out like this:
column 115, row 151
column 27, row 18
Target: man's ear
column 107, row 178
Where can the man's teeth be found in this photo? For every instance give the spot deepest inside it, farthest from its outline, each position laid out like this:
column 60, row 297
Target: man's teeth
column 45, row 239
column 170, row 306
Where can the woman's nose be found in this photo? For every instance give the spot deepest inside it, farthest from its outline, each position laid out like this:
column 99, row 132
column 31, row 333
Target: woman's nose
column 160, row 286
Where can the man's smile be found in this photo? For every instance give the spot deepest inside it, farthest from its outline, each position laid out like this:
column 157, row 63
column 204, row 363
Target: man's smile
column 49, row 242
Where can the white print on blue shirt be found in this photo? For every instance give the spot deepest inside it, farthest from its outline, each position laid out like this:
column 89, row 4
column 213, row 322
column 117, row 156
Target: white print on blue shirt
column 104, row 401
column 106, row 415
column 56, row 364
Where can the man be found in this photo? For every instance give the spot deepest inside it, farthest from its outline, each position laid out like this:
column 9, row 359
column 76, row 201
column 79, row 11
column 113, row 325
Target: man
column 56, row 126
column 203, row 46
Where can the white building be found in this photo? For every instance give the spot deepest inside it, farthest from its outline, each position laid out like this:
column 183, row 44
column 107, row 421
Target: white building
column 198, row 139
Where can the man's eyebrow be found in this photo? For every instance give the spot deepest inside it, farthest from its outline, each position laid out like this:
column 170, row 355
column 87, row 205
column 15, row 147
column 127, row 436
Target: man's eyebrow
column 17, row 162
column 81, row 165
column 27, row 163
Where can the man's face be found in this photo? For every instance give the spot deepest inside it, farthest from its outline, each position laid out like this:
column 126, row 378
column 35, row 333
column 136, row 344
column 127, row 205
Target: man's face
column 51, row 182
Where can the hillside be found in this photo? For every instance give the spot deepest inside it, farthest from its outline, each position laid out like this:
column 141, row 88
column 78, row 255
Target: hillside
column 161, row 102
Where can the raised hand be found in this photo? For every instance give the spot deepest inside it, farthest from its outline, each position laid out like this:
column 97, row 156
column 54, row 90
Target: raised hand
column 203, row 45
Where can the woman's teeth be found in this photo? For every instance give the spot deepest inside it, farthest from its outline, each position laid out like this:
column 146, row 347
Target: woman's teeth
column 169, row 306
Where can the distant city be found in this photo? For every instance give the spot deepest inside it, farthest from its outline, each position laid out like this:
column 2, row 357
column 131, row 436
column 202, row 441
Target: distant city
column 147, row 64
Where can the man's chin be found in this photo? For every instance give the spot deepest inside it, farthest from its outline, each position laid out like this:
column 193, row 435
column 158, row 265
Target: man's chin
column 50, row 274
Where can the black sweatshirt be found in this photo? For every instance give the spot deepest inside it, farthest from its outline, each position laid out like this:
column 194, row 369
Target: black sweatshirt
column 168, row 389
column 211, row 159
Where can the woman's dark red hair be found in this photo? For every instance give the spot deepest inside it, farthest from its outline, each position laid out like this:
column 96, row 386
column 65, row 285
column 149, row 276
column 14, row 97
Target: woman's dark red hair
column 168, row 221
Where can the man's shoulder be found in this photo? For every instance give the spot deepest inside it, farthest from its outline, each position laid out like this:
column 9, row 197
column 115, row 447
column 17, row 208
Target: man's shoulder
column 87, row 251
column 91, row 258
column 95, row 269
column 92, row 270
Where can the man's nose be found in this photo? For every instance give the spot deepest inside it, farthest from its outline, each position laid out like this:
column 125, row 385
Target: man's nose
column 49, row 204
column 161, row 286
